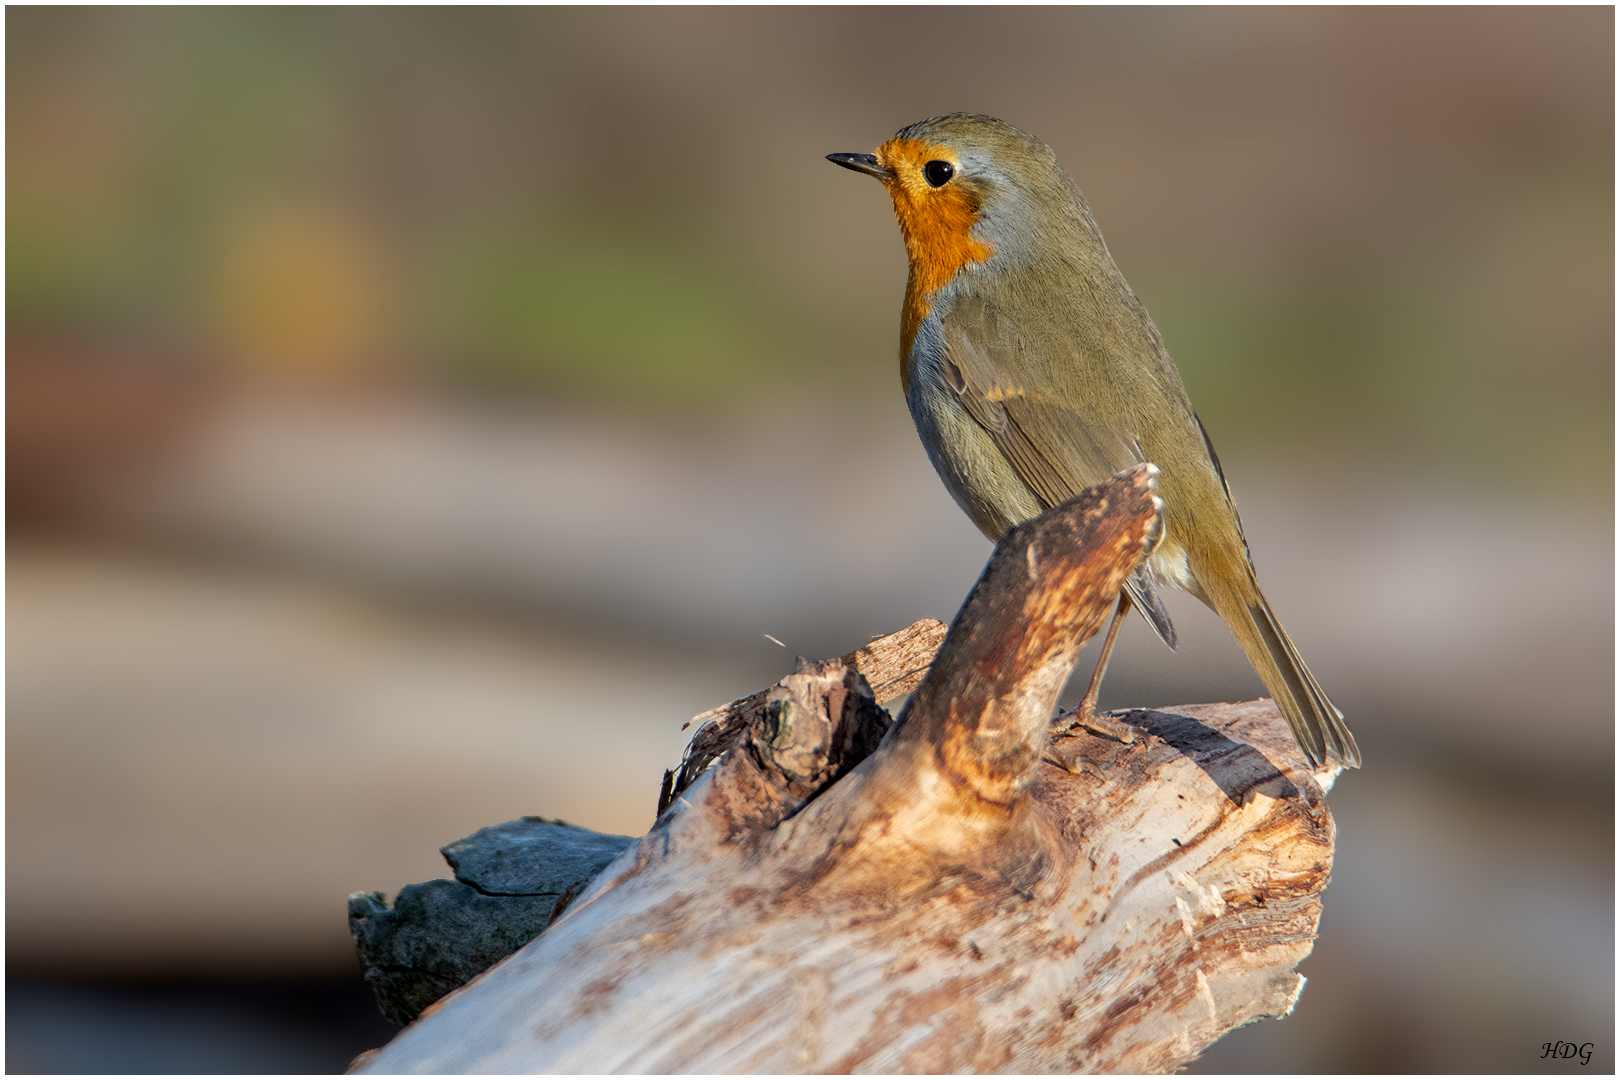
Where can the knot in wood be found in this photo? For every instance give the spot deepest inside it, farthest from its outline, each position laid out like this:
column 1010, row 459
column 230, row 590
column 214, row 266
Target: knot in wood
column 814, row 726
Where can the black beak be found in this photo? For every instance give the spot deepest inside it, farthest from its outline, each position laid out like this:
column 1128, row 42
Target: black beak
column 863, row 163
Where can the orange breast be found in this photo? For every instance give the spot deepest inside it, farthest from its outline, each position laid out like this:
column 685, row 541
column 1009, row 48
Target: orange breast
column 935, row 224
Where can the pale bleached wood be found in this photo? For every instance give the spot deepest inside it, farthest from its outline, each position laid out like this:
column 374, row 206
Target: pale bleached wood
column 896, row 663
column 972, row 895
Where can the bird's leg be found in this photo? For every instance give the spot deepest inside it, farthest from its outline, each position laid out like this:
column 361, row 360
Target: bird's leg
column 1085, row 714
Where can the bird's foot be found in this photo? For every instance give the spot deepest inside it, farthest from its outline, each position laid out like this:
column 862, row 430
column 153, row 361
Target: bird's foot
column 1087, row 717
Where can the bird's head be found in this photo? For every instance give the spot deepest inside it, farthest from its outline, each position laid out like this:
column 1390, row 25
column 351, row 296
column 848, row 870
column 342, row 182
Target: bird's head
column 971, row 191
column 965, row 188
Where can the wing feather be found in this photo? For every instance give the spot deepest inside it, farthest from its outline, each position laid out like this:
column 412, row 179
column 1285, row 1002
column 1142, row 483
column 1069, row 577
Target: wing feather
column 1054, row 450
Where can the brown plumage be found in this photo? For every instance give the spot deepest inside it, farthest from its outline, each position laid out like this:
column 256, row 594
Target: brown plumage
column 1033, row 372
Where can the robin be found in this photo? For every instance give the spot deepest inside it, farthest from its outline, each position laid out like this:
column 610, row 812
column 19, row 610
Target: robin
column 1032, row 372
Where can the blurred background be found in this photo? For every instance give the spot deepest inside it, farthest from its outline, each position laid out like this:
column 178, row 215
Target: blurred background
column 414, row 416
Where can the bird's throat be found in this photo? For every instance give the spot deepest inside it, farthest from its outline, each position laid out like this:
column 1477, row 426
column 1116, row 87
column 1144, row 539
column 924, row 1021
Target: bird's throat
column 936, row 224
column 937, row 251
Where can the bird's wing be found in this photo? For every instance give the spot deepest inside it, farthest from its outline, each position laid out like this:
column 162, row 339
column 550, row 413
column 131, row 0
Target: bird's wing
column 1005, row 378
column 997, row 372
column 1226, row 489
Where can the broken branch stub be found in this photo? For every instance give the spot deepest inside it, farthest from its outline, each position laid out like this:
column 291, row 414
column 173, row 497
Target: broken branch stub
column 969, row 739
column 969, row 897
column 893, row 665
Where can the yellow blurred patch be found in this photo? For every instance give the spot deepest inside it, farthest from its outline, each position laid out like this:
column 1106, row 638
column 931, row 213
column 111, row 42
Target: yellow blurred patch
column 298, row 292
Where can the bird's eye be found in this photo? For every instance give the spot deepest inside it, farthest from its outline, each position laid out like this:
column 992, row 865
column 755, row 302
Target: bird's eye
column 938, row 173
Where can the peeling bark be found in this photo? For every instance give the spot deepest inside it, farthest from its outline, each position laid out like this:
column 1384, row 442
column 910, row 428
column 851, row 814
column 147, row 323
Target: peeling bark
column 512, row 881
column 957, row 891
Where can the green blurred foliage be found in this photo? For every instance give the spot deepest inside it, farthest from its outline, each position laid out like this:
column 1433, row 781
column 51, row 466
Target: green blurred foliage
column 1484, row 350
column 630, row 206
column 1396, row 369
column 598, row 306
column 144, row 143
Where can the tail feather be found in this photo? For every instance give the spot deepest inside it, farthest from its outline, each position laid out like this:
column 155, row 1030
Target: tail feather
column 1317, row 725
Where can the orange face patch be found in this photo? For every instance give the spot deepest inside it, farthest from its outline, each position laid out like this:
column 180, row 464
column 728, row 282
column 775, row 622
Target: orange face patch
column 934, row 223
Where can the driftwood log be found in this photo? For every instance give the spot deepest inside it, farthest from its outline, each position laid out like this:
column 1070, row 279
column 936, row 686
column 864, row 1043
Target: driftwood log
column 968, row 888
